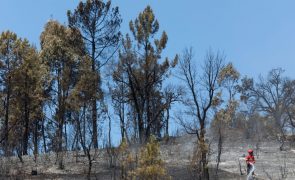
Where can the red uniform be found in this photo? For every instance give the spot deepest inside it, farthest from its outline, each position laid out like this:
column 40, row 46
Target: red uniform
column 250, row 159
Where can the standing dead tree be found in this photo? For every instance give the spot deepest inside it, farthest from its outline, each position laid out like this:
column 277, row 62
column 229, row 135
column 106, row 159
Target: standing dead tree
column 86, row 144
column 202, row 90
column 225, row 107
column 272, row 97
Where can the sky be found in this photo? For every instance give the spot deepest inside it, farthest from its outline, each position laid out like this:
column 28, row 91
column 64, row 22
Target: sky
column 255, row 36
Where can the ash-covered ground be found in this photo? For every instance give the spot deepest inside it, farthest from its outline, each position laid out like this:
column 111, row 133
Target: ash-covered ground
column 271, row 163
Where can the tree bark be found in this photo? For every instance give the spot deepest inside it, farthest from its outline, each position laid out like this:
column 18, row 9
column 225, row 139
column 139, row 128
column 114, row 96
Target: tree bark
column 35, row 141
column 6, row 120
column 94, row 103
column 43, row 136
column 167, row 123
column 204, row 151
column 26, row 132
column 94, row 124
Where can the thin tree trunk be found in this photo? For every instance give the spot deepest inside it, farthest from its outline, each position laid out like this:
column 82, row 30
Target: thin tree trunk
column 110, row 130
column 94, row 103
column 85, row 148
column 26, row 132
column 110, row 142
column 26, row 120
column 60, row 149
column 140, row 130
column 35, row 137
column 43, row 135
column 148, row 120
column 74, row 141
column 6, row 133
column 66, row 137
column 204, row 152
column 167, row 123
column 122, row 120
column 84, row 124
column 219, row 150
column 60, row 120
column 89, row 164
column 205, row 168
column 94, row 124
column 26, row 136
column 6, row 121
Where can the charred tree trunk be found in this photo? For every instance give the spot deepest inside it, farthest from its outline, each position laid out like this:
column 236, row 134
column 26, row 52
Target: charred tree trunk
column 26, row 126
column 26, row 135
column 60, row 147
column 94, row 124
column 94, row 103
column 43, row 135
column 122, row 120
column 89, row 164
column 6, row 133
column 204, row 152
column 26, row 119
column 60, row 120
column 219, row 150
column 35, row 137
column 167, row 123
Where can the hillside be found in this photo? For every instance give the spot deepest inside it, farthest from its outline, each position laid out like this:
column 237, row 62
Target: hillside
column 176, row 153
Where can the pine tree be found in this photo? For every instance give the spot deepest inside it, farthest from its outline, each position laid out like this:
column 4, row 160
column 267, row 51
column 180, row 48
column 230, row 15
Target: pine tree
column 62, row 48
column 9, row 48
column 29, row 83
column 143, row 71
column 23, row 79
column 150, row 165
column 99, row 25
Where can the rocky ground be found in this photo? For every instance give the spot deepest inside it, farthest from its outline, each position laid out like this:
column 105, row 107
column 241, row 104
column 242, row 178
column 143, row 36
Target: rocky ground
column 271, row 162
